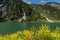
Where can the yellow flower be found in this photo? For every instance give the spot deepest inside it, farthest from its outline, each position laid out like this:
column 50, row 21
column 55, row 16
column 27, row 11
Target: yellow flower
column 44, row 30
column 12, row 36
column 30, row 34
column 26, row 32
column 0, row 38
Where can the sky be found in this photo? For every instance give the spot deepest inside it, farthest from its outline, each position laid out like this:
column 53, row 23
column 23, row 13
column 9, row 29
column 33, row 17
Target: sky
column 38, row 1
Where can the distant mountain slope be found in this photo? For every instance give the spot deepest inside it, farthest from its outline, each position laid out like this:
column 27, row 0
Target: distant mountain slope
column 50, row 10
column 53, row 8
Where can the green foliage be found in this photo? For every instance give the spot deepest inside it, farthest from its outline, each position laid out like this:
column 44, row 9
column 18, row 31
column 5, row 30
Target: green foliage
column 14, row 8
column 43, row 33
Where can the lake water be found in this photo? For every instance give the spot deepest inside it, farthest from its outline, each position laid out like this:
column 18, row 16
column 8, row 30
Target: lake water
column 12, row 27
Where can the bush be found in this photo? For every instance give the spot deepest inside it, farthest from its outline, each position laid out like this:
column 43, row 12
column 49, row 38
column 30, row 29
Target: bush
column 43, row 33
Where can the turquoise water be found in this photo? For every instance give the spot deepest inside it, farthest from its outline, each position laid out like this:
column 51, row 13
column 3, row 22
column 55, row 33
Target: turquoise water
column 12, row 27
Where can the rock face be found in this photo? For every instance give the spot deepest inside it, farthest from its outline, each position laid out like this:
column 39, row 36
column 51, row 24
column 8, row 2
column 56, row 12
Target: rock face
column 3, row 11
column 11, row 10
column 1, row 7
column 53, row 4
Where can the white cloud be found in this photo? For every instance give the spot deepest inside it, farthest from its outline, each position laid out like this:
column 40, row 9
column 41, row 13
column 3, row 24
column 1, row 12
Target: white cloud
column 26, row 1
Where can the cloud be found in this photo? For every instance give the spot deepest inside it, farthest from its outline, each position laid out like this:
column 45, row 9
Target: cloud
column 26, row 1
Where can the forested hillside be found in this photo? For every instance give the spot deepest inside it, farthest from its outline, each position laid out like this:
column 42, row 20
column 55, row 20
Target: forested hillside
column 13, row 10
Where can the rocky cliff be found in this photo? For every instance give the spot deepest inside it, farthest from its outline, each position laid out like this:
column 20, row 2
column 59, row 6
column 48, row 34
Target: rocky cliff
column 12, row 11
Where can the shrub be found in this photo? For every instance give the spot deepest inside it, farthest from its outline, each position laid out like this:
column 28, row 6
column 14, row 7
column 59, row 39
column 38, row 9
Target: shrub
column 43, row 33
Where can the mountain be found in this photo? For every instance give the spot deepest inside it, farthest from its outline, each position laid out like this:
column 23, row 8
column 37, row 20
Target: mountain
column 34, row 12
column 50, row 10
column 53, row 8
